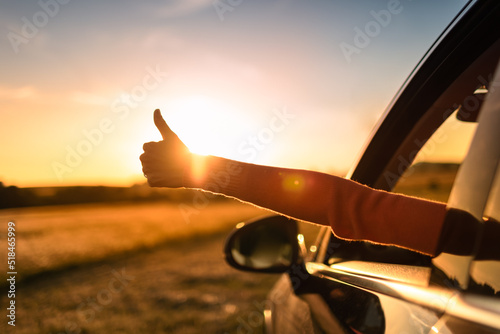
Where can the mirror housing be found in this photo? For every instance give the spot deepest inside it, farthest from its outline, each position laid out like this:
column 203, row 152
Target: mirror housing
column 267, row 245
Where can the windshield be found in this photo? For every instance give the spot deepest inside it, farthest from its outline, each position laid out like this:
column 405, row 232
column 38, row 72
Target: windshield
column 286, row 83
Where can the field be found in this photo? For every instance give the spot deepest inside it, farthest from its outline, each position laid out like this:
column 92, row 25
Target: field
column 130, row 268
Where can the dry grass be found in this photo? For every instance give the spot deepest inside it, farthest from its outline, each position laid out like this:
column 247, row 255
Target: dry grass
column 50, row 238
column 66, row 257
column 183, row 289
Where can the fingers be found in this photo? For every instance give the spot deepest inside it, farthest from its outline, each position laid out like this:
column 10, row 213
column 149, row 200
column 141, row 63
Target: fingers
column 161, row 124
column 149, row 146
column 149, row 168
column 153, row 152
column 150, row 155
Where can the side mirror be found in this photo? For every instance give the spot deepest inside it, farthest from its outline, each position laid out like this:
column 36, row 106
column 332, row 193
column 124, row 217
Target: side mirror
column 267, row 245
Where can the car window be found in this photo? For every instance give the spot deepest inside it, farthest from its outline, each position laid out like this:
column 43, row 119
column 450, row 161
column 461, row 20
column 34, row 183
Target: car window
column 434, row 168
column 432, row 174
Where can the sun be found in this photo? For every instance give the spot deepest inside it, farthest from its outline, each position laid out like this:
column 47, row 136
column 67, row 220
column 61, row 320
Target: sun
column 201, row 123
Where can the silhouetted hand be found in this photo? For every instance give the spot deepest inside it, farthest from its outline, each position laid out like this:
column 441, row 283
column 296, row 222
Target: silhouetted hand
column 166, row 162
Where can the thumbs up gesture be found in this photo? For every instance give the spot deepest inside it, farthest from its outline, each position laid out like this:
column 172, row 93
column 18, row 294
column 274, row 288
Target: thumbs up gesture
column 165, row 163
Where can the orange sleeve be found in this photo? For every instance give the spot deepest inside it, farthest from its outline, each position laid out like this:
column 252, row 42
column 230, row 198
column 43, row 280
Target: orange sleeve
column 354, row 211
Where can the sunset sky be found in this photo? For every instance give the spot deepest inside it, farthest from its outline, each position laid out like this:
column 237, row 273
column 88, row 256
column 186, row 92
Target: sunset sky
column 266, row 82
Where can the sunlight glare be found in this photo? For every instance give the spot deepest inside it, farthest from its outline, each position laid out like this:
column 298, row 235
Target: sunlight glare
column 199, row 122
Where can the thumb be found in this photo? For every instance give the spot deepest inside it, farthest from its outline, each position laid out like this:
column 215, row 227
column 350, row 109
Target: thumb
column 161, row 124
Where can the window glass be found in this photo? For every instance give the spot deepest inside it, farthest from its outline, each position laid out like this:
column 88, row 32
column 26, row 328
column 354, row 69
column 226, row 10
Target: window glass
column 433, row 171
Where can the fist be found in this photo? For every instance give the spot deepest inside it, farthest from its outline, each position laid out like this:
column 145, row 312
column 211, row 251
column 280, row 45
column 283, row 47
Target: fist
column 165, row 163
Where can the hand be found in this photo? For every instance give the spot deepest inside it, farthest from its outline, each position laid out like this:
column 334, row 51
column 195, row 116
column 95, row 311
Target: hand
column 165, row 163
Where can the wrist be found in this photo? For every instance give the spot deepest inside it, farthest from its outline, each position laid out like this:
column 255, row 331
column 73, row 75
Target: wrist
column 215, row 174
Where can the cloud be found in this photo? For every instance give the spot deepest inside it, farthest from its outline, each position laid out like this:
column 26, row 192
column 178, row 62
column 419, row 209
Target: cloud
column 178, row 8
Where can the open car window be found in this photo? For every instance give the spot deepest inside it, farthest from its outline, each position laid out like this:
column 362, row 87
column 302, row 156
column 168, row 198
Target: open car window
column 432, row 173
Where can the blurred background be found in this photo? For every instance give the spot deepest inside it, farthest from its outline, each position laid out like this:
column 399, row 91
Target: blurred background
column 286, row 83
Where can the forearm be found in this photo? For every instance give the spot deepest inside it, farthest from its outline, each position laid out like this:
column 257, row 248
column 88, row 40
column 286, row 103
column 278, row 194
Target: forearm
column 296, row 193
column 354, row 211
